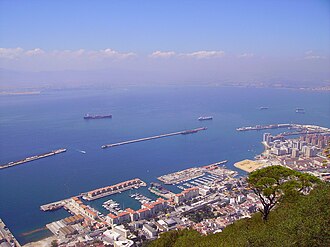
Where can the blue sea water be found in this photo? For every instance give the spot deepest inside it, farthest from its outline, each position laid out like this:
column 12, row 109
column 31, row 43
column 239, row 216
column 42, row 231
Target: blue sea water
column 34, row 124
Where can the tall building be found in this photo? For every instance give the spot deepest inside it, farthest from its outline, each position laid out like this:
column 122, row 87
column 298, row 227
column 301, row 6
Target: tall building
column 311, row 152
column 267, row 138
column 295, row 153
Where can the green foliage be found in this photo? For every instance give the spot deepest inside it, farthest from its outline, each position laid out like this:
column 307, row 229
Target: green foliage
column 270, row 184
column 203, row 213
column 54, row 243
column 302, row 222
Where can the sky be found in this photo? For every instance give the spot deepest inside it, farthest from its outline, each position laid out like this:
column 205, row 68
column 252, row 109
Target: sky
column 134, row 42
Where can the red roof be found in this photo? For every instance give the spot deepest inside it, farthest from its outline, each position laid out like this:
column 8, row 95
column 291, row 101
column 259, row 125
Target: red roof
column 112, row 216
column 160, row 200
column 142, row 210
column 122, row 214
column 129, row 210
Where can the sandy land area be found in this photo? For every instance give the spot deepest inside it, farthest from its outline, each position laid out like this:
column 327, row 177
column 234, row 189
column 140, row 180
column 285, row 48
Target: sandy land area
column 46, row 242
column 248, row 165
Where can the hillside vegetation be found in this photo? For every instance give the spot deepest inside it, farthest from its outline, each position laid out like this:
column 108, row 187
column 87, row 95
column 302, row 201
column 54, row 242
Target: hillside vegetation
column 299, row 221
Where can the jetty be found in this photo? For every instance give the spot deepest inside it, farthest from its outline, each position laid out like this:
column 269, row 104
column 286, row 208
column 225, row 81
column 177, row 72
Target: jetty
column 32, row 158
column 113, row 189
column 300, row 129
column 184, row 132
column 263, row 127
column 53, row 206
column 191, row 173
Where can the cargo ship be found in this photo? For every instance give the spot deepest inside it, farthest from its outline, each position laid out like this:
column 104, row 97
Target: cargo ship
column 87, row 116
column 205, row 118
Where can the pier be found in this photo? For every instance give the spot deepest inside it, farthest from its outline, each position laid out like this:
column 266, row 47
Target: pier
column 113, row 189
column 264, row 127
column 6, row 237
column 53, row 206
column 195, row 172
column 184, row 132
column 32, row 158
column 300, row 129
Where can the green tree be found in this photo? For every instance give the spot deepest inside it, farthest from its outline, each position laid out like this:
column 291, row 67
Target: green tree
column 54, row 243
column 272, row 183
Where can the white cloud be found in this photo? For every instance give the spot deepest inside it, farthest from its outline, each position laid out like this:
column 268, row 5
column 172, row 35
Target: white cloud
column 11, row 53
column 204, row 54
column 246, row 55
column 114, row 54
column 35, row 52
column 162, row 54
column 311, row 55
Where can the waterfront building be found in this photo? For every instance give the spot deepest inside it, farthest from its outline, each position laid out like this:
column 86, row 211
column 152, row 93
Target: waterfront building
column 186, row 195
column 267, row 138
column 144, row 213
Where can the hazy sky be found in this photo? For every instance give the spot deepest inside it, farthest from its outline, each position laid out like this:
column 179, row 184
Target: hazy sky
column 183, row 41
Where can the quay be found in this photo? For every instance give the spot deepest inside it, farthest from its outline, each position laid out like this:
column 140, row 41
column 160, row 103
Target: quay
column 191, row 173
column 263, row 127
column 300, row 128
column 113, row 189
column 184, row 132
column 6, row 237
column 75, row 206
column 53, row 206
column 32, row 158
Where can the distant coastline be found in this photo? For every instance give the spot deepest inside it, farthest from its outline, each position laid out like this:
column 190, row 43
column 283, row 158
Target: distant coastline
column 21, row 93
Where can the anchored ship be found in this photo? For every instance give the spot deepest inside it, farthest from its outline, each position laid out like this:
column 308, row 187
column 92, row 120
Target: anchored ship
column 300, row 110
column 87, row 116
column 205, row 118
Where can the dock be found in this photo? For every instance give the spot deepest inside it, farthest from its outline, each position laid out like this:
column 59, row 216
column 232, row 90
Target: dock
column 6, row 237
column 264, row 127
column 32, row 158
column 53, row 206
column 113, row 189
column 195, row 172
column 300, row 129
column 184, row 132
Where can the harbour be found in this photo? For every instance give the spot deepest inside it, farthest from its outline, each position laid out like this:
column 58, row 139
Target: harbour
column 184, row 132
column 32, row 158
column 173, row 154
column 191, row 173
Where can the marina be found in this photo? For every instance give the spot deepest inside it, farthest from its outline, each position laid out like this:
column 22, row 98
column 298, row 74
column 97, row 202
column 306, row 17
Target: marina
column 193, row 173
column 184, row 132
column 113, row 189
column 112, row 206
column 32, row 158
column 141, row 198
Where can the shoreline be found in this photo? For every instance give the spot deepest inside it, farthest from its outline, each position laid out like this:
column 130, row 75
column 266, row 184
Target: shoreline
column 44, row 242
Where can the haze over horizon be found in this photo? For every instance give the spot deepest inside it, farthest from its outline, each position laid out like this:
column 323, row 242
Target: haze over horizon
column 80, row 43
